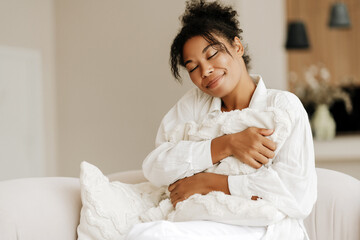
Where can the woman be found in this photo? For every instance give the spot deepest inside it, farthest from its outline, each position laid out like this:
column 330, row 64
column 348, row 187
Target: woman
column 209, row 47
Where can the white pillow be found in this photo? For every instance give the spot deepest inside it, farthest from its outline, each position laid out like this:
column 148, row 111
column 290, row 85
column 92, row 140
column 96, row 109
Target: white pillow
column 110, row 209
column 194, row 230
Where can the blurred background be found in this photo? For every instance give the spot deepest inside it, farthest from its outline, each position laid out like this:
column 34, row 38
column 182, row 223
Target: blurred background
column 89, row 80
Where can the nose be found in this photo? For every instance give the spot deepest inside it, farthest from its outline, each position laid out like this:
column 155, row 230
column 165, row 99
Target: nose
column 206, row 69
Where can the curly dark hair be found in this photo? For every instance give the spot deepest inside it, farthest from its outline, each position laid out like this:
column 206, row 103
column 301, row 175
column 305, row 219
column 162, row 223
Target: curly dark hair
column 205, row 19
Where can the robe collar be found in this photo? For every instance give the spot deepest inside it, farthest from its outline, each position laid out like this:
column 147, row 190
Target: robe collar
column 258, row 99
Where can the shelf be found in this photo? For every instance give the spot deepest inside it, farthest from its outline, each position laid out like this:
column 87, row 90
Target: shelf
column 342, row 148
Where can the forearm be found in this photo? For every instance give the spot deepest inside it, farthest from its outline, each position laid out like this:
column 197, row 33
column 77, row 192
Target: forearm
column 219, row 183
column 201, row 183
column 220, row 148
column 173, row 161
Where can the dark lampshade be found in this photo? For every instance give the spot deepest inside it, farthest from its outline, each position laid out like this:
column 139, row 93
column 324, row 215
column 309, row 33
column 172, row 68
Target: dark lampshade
column 296, row 36
column 339, row 16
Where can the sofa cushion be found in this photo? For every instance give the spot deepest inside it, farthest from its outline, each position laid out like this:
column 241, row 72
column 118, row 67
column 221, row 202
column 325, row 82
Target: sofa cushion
column 39, row 208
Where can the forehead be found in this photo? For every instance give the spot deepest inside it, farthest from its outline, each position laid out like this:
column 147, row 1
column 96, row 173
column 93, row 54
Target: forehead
column 194, row 46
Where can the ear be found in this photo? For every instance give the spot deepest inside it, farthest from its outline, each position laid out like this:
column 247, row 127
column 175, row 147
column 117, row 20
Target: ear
column 239, row 48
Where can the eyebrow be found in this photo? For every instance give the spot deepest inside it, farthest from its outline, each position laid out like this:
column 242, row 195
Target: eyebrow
column 203, row 51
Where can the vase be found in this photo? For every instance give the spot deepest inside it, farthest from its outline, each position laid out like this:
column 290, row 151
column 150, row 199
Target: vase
column 322, row 123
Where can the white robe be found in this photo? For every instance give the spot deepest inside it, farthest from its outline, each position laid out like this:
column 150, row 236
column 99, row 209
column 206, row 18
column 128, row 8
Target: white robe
column 133, row 204
column 286, row 185
column 289, row 183
column 218, row 206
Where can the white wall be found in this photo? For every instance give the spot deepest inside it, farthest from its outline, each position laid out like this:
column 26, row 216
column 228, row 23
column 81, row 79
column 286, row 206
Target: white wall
column 110, row 62
column 21, row 114
column 114, row 83
column 29, row 25
column 264, row 25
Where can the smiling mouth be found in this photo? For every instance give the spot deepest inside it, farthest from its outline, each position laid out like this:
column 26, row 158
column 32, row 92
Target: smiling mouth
column 214, row 81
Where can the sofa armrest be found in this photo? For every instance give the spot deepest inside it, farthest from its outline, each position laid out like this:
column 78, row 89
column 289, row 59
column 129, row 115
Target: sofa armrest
column 39, row 208
column 336, row 214
column 131, row 177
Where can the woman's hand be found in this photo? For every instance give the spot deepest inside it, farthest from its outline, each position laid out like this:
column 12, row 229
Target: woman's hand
column 252, row 147
column 249, row 146
column 201, row 183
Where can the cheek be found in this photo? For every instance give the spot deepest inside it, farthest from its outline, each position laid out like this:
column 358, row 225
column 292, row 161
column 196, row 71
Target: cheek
column 195, row 80
column 225, row 62
column 234, row 67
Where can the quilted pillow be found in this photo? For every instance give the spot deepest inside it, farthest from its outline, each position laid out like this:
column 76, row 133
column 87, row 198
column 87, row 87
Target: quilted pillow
column 110, row 209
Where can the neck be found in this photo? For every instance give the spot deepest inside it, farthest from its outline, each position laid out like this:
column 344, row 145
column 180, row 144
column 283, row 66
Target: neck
column 240, row 97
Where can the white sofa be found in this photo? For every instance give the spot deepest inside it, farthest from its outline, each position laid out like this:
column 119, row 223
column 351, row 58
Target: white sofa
column 49, row 208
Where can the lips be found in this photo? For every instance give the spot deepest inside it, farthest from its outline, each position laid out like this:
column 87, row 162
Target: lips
column 213, row 81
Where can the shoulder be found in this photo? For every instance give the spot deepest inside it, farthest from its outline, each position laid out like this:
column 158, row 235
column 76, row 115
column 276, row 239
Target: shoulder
column 186, row 102
column 196, row 100
column 287, row 102
column 283, row 99
column 194, row 95
column 192, row 105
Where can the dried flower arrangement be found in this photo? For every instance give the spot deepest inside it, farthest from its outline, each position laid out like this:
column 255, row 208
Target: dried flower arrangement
column 315, row 88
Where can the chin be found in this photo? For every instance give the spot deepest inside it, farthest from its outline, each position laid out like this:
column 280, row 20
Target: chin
column 219, row 93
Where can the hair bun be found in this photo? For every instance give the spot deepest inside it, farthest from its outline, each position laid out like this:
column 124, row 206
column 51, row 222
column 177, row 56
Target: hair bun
column 201, row 10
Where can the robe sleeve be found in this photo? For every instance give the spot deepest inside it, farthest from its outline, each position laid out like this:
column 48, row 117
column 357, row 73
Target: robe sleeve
column 290, row 183
column 171, row 161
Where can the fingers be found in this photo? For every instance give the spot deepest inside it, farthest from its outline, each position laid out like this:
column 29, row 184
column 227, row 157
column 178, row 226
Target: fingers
column 174, row 202
column 257, row 159
column 267, row 153
column 184, row 188
column 174, row 185
column 175, row 193
column 261, row 158
column 171, row 187
column 265, row 132
column 176, row 197
column 252, row 163
column 269, row 144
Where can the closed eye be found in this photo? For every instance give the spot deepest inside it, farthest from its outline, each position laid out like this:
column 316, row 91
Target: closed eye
column 207, row 58
column 193, row 69
column 213, row 55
